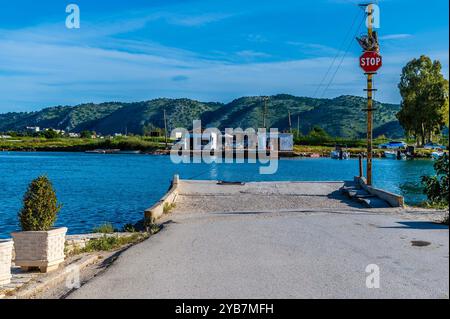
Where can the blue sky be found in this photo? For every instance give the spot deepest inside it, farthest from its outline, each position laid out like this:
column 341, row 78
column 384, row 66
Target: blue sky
column 214, row 50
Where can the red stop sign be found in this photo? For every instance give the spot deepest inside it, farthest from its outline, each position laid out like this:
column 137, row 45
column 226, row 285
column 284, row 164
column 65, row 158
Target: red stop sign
column 370, row 61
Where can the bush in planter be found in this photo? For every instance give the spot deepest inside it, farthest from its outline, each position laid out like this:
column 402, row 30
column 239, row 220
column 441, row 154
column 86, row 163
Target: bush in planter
column 40, row 207
column 39, row 245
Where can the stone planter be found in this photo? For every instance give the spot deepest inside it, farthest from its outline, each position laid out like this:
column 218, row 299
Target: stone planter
column 42, row 249
column 6, row 247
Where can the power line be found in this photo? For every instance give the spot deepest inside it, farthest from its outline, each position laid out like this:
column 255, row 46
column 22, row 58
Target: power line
column 341, row 47
column 343, row 57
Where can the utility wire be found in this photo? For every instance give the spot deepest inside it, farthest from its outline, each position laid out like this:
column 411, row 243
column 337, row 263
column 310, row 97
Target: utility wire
column 343, row 57
column 341, row 47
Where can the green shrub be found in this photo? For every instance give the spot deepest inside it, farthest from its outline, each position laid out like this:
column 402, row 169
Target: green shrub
column 129, row 228
column 154, row 228
column 108, row 243
column 86, row 134
column 151, row 227
column 40, row 206
column 437, row 187
column 104, row 229
column 104, row 243
column 167, row 208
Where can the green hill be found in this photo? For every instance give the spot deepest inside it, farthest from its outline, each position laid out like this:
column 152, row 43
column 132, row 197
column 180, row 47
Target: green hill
column 342, row 116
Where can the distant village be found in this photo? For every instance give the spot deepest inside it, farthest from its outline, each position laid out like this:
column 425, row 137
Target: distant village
column 50, row 132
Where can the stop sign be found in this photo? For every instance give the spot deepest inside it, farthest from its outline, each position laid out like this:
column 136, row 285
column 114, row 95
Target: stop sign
column 370, row 61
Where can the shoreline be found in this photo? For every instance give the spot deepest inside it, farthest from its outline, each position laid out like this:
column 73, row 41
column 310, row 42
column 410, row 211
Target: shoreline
column 325, row 152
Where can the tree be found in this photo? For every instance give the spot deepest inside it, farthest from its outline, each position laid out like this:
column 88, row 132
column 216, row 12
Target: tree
column 50, row 134
column 86, row 134
column 317, row 131
column 424, row 106
column 437, row 187
column 40, row 207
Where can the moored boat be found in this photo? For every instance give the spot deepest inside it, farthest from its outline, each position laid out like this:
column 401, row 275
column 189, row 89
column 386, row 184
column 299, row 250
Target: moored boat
column 103, row 151
column 399, row 155
column 339, row 153
column 390, row 154
column 436, row 154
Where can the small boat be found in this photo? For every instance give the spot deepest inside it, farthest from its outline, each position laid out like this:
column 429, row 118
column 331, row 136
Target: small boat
column 103, row 151
column 390, row 154
column 339, row 153
column 129, row 152
column 395, row 155
column 436, row 154
column 95, row 152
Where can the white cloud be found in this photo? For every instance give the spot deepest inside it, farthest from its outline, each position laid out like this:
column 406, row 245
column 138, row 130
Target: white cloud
column 314, row 48
column 196, row 20
column 396, row 36
column 257, row 38
column 49, row 65
column 252, row 54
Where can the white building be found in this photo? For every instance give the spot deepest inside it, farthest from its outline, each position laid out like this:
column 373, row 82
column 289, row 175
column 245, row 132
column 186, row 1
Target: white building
column 286, row 141
column 33, row 129
column 238, row 141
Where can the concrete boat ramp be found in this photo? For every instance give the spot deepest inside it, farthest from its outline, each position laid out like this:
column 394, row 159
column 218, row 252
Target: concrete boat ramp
column 213, row 196
column 280, row 240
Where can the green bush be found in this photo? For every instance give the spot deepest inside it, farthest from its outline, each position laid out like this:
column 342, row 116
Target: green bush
column 103, row 244
column 104, row 229
column 50, row 134
column 129, row 228
column 167, row 208
column 151, row 227
column 108, row 243
column 437, row 187
column 40, row 206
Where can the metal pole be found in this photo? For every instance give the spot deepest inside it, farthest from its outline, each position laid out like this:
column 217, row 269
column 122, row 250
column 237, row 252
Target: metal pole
column 165, row 127
column 265, row 112
column 369, row 107
column 360, row 165
column 290, row 123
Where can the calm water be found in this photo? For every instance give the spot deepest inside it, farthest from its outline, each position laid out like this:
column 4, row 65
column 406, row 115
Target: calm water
column 95, row 189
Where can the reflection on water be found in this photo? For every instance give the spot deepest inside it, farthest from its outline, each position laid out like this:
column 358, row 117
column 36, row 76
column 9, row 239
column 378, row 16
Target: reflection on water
column 411, row 188
column 98, row 188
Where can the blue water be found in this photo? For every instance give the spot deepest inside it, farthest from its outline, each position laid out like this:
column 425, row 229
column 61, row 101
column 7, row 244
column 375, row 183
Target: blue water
column 95, row 189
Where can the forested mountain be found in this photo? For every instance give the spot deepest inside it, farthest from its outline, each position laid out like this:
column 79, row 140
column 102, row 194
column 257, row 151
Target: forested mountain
column 343, row 116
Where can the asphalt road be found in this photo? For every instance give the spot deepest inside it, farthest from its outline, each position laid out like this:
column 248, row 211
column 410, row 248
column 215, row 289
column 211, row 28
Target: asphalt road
column 282, row 254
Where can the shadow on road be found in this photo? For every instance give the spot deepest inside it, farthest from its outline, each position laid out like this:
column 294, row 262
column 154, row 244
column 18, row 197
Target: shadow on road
column 418, row 225
column 337, row 195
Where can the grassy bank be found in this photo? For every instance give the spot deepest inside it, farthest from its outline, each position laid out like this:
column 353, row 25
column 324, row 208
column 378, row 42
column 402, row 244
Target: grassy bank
column 307, row 150
column 145, row 144
column 304, row 146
